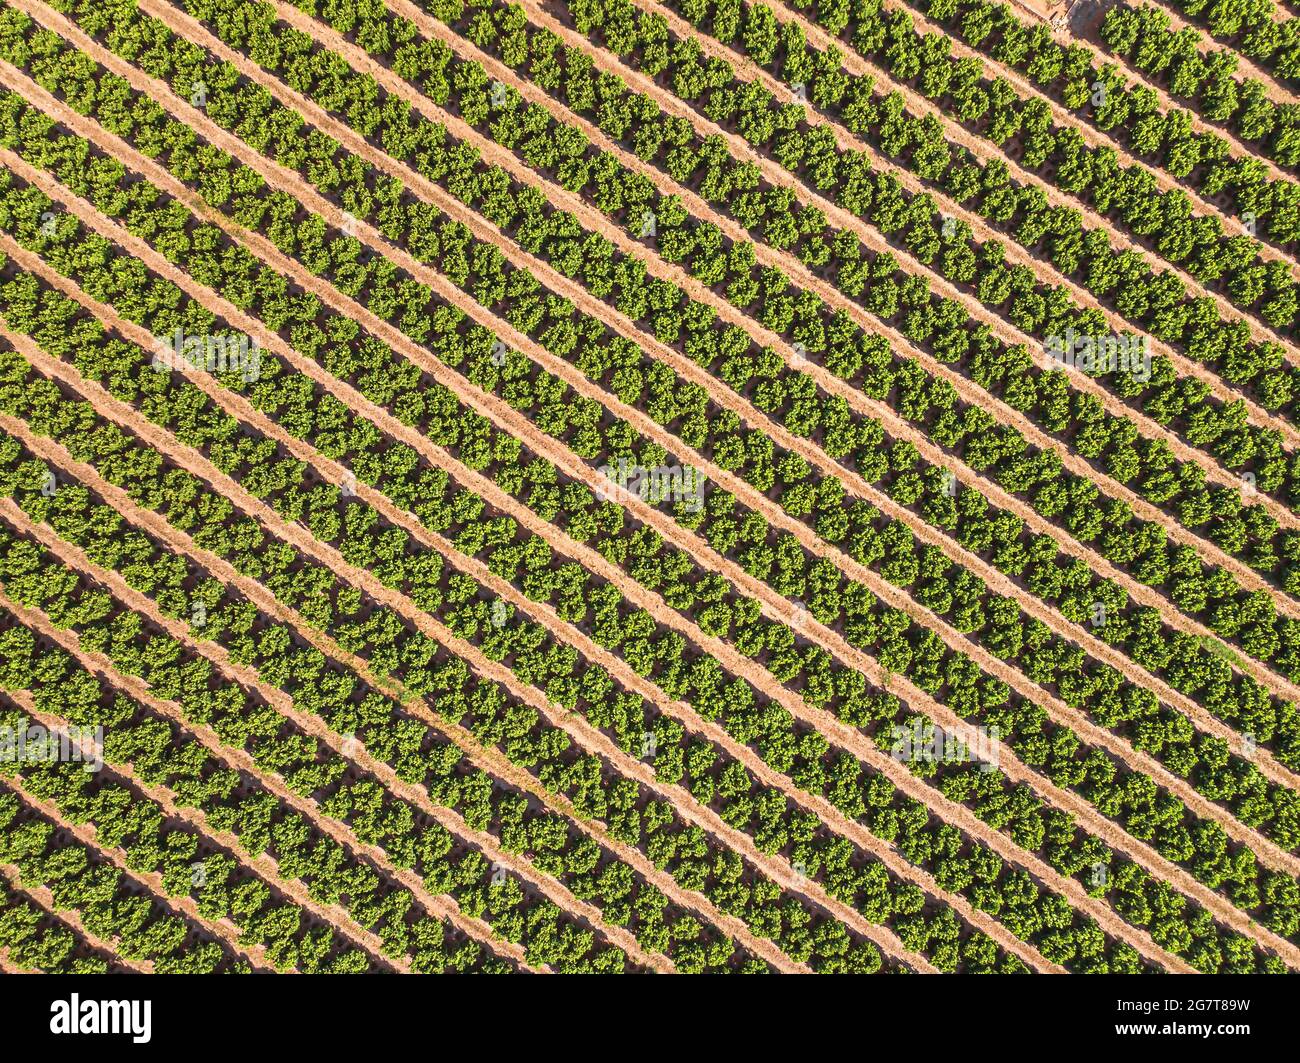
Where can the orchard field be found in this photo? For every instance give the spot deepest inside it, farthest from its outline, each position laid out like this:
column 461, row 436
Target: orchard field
column 627, row 486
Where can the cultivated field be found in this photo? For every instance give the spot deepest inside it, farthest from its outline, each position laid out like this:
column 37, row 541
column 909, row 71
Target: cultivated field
column 626, row 486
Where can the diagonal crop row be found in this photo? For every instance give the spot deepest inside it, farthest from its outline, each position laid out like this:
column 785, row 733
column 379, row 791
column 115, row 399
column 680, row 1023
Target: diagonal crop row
column 1256, row 28
column 1098, row 95
column 161, row 755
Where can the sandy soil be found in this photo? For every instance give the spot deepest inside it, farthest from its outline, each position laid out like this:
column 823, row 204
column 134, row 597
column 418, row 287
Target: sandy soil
column 149, row 883
column 264, row 865
column 1093, row 136
column 76, row 558
column 42, row 897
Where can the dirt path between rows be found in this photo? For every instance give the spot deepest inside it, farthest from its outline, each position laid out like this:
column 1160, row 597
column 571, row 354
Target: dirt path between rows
column 1016, row 253
column 247, row 678
column 42, row 897
column 329, row 557
column 854, row 484
column 1093, row 136
column 400, row 343
column 581, row 298
column 1276, row 89
column 726, row 654
column 238, row 760
column 149, row 883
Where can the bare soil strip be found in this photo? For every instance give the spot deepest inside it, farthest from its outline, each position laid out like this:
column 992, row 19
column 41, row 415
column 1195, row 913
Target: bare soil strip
column 1042, row 266
column 723, row 396
column 725, row 653
column 149, row 883
column 779, row 870
column 1277, row 90
column 75, row 558
column 395, row 339
column 42, row 897
column 334, row 915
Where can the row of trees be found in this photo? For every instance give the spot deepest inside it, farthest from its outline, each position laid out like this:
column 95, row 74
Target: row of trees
column 1251, row 27
column 1141, row 35
column 482, row 621
column 126, row 818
